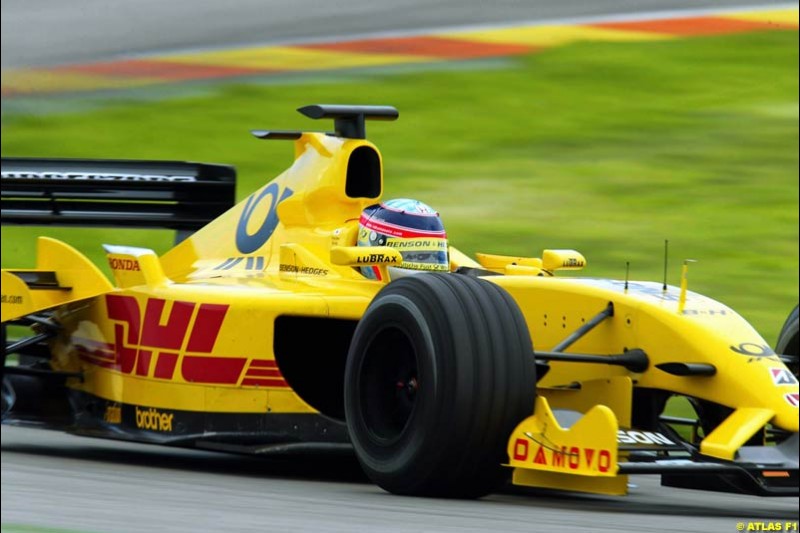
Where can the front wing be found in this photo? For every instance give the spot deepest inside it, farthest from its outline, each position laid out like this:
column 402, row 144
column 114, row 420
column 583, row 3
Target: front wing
column 567, row 450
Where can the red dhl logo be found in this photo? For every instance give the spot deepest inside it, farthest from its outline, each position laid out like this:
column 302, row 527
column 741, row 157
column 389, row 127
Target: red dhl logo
column 567, row 458
column 152, row 345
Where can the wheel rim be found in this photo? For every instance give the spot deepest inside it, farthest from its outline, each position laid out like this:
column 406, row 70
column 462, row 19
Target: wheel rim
column 389, row 385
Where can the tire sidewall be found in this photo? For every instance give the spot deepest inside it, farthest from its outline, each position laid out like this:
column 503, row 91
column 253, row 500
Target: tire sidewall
column 382, row 456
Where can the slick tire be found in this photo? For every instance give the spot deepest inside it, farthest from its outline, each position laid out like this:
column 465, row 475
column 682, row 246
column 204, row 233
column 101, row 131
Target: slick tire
column 788, row 340
column 440, row 371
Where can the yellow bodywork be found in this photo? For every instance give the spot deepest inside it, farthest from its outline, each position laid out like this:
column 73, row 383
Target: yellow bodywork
column 191, row 330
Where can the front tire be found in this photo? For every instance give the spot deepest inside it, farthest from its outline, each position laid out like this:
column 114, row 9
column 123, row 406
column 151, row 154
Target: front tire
column 788, row 341
column 440, row 371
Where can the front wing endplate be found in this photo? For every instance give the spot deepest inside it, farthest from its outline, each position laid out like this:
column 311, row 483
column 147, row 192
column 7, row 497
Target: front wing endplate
column 582, row 457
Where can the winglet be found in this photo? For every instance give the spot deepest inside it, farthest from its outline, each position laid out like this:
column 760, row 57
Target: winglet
column 135, row 266
column 349, row 121
column 62, row 275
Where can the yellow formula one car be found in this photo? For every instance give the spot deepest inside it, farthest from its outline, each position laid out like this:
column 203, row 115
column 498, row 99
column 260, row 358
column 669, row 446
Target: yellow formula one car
column 313, row 316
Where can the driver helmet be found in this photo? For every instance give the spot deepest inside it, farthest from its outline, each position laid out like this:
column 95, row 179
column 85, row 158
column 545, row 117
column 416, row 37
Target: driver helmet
column 409, row 226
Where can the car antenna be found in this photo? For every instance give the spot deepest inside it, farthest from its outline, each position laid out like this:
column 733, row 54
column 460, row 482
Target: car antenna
column 666, row 255
column 627, row 274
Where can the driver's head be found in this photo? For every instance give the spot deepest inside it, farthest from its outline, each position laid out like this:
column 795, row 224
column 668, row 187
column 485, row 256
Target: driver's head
column 410, row 227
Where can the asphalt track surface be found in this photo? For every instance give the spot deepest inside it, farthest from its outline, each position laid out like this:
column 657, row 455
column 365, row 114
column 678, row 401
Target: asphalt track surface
column 52, row 32
column 55, row 480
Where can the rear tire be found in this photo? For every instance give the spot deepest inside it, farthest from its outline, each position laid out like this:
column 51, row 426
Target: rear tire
column 439, row 372
column 788, row 340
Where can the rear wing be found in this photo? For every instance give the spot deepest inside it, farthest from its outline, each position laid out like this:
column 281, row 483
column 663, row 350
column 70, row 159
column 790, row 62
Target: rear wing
column 174, row 195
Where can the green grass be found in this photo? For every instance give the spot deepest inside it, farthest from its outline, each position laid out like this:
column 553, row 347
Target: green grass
column 608, row 148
